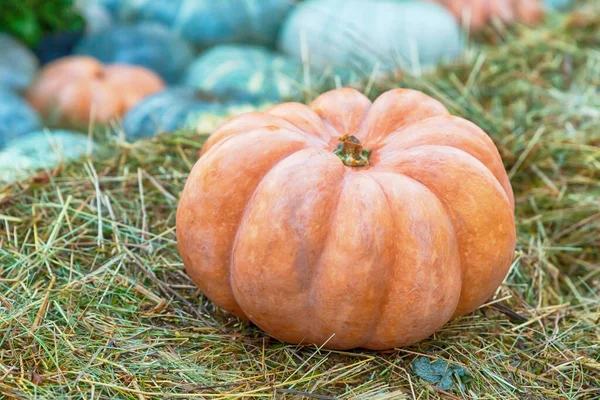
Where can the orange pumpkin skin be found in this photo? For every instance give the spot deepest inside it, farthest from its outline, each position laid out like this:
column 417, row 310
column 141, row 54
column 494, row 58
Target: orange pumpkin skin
column 481, row 12
column 275, row 228
column 70, row 87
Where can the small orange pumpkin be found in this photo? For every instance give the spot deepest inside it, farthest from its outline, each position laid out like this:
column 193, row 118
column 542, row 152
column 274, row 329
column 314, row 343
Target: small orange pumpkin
column 479, row 13
column 68, row 88
column 348, row 223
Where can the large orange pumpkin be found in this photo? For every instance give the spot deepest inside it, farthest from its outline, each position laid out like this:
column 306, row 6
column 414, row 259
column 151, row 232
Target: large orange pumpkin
column 68, row 89
column 479, row 13
column 348, row 223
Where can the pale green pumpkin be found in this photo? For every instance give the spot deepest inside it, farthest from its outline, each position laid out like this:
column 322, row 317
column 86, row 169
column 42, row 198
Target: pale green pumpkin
column 371, row 34
column 18, row 65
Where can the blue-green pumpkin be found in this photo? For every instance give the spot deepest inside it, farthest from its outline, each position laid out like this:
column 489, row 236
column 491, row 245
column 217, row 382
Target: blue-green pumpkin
column 209, row 22
column 246, row 73
column 17, row 118
column 56, row 45
column 363, row 34
column 97, row 16
column 557, row 4
column 112, row 6
column 18, row 65
column 173, row 109
column 40, row 150
column 146, row 44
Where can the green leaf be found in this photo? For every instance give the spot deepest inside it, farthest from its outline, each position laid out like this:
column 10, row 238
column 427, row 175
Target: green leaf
column 23, row 25
column 440, row 373
column 30, row 20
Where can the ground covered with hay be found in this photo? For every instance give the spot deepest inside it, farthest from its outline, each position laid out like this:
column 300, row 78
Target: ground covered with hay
column 94, row 302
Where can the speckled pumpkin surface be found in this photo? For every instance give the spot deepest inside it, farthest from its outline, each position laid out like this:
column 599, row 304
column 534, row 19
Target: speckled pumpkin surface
column 348, row 223
column 246, row 73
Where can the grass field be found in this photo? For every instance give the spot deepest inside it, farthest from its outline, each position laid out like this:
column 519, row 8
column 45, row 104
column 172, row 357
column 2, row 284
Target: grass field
column 94, row 303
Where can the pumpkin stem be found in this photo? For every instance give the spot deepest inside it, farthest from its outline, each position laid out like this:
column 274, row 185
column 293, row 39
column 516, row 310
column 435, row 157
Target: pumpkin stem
column 351, row 152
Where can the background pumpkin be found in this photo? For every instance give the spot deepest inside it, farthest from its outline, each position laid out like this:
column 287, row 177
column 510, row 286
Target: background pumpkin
column 97, row 17
column 41, row 150
column 176, row 108
column 56, row 45
column 558, row 4
column 18, row 65
column 209, row 22
column 274, row 227
column 361, row 34
column 481, row 12
column 16, row 117
column 67, row 89
column 148, row 45
column 245, row 72
column 114, row 7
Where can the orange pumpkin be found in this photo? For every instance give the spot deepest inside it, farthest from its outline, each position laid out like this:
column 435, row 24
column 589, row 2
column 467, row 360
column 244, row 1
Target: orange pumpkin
column 479, row 13
column 68, row 89
column 348, row 223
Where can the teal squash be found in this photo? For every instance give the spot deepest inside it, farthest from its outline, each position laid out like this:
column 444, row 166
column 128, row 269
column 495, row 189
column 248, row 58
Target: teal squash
column 114, row 7
column 246, row 73
column 17, row 118
column 146, row 44
column 56, row 45
column 363, row 34
column 176, row 108
column 18, row 65
column 557, row 4
column 209, row 22
column 41, row 150
column 97, row 16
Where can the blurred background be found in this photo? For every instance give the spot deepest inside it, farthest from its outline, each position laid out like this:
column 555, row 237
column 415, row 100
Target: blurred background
column 70, row 69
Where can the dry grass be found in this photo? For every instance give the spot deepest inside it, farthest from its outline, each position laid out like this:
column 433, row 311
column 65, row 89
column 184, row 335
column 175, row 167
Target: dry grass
column 94, row 303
